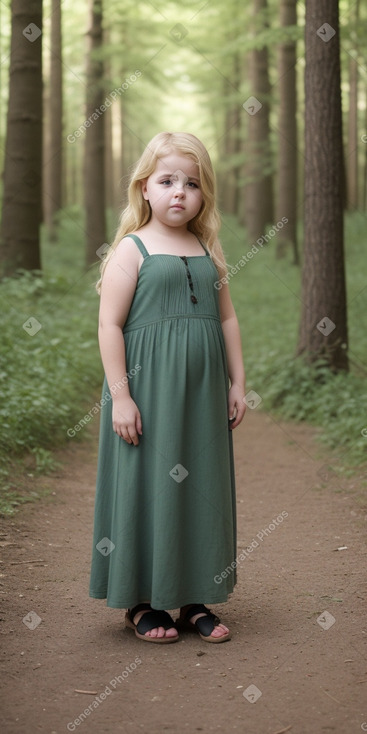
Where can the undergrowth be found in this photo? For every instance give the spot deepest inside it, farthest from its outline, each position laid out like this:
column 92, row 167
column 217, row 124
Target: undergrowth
column 50, row 367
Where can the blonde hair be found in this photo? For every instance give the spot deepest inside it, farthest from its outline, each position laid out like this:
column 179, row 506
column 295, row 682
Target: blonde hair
column 205, row 225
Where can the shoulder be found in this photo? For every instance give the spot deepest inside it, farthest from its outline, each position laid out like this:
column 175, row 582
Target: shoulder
column 124, row 259
column 127, row 246
column 128, row 250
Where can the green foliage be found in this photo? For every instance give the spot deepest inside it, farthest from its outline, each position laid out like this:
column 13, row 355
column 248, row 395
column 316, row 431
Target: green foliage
column 49, row 376
column 46, row 376
column 45, row 461
column 335, row 402
column 10, row 500
column 268, row 37
column 266, row 292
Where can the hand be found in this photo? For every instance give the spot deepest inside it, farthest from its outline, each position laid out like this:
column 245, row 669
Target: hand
column 236, row 404
column 126, row 420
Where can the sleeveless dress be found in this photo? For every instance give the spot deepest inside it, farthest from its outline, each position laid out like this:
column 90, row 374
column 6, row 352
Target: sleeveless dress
column 165, row 510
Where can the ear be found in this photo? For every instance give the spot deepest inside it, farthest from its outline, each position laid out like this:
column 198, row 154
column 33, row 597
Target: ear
column 144, row 189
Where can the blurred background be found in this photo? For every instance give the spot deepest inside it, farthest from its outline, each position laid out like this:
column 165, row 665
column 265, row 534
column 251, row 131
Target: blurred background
column 277, row 91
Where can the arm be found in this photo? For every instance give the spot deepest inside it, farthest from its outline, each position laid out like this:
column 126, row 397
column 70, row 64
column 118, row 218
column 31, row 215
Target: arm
column 236, row 371
column 117, row 292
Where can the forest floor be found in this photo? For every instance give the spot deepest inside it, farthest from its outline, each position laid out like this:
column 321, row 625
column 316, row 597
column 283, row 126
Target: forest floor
column 297, row 660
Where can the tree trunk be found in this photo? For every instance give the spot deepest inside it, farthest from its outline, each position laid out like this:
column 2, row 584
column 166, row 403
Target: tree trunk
column 109, row 160
column 126, row 156
column 323, row 328
column 94, row 160
column 5, row 53
column 231, row 146
column 352, row 143
column 22, row 202
column 258, row 191
column 287, row 141
column 53, row 160
column 108, row 137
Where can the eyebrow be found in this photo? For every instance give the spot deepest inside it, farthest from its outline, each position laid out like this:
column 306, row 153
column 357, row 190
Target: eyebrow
column 169, row 175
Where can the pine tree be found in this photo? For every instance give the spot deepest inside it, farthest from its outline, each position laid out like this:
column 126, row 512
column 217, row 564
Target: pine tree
column 323, row 328
column 53, row 158
column 287, row 138
column 258, row 192
column 22, row 204
column 94, row 152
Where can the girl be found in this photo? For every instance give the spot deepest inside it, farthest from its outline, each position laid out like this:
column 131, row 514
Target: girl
column 165, row 513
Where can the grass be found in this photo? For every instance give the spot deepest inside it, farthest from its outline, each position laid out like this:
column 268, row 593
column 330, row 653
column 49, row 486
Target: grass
column 51, row 368
column 50, row 378
column 266, row 294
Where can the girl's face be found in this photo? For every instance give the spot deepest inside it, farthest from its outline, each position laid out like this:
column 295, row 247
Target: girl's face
column 173, row 190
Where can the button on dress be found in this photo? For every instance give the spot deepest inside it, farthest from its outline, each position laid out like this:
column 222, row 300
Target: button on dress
column 165, row 510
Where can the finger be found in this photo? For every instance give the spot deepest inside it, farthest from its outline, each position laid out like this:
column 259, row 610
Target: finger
column 139, row 425
column 125, row 434
column 237, row 421
column 134, row 437
column 232, row 412
column 239, row 415
column 235, row 415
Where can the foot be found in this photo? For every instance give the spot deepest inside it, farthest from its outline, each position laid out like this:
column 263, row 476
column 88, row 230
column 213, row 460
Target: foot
column 220, row 630
column 156, row 631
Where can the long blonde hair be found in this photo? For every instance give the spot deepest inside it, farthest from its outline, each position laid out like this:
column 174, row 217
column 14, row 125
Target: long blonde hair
column 206, row 223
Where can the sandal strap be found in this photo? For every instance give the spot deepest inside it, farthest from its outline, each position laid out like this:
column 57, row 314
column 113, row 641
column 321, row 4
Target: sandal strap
column 154, row 618
column 138, row 608
column 206, row 624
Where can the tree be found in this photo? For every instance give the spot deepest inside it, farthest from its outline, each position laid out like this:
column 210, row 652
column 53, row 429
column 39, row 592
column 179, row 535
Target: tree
column 229, row 184
column 22, row 204
column 94, row 153
column 53, row 159
column 259, row 187
column 286, row 205
column 352, row 139
column 323, row 327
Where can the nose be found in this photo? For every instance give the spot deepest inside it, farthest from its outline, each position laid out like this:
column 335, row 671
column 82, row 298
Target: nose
column 179, row 191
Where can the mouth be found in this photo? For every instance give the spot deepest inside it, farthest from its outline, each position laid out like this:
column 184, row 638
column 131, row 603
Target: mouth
column 177, row 206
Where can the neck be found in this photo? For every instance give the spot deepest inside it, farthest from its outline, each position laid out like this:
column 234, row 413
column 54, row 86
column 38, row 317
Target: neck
column 165, row 231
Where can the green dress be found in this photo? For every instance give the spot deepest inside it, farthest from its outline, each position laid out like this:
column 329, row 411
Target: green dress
column 165, row 510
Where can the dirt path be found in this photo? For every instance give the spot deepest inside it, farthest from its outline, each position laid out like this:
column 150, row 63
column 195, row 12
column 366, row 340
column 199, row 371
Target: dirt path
column 282, row 671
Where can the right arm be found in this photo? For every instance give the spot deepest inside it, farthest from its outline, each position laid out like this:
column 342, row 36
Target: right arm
column 117, row 292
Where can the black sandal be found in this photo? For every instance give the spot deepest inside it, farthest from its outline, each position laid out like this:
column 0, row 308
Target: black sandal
column 204, row 625
column 153, row 618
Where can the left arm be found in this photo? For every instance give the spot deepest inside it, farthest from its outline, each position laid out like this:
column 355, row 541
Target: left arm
column 236, row 370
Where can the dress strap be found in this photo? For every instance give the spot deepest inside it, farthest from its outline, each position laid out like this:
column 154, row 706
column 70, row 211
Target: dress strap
column 139, row 243
column 204, row 248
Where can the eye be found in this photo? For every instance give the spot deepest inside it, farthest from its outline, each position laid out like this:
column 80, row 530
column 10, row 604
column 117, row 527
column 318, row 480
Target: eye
column 166, row 181
column 192, row 184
